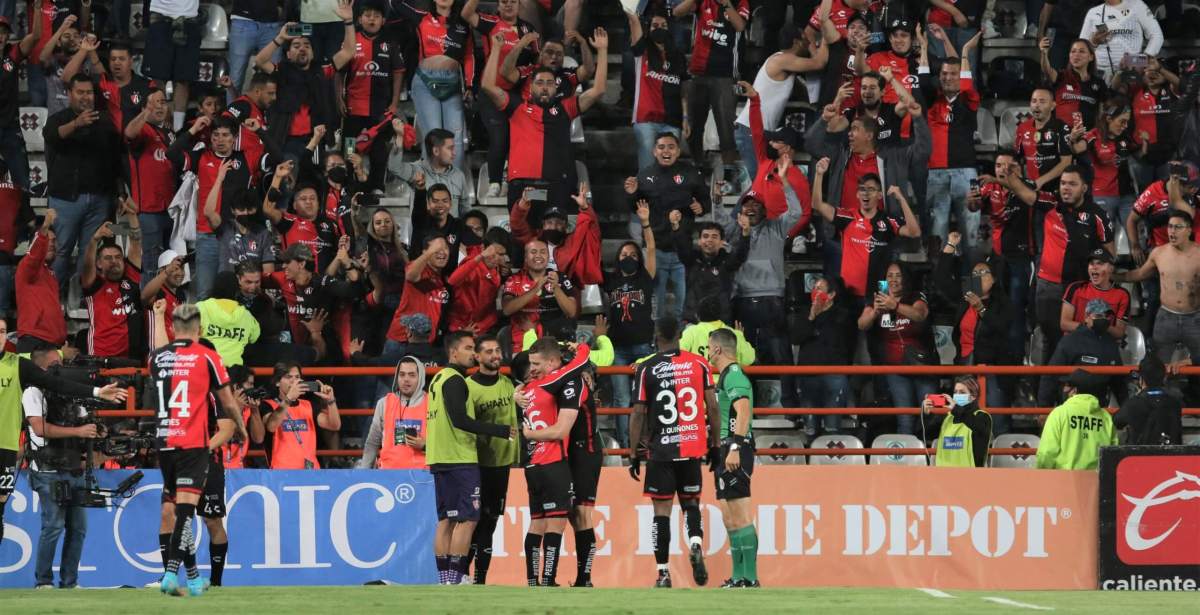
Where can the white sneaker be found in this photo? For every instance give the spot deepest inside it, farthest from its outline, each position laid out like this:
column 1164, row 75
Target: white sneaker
column 153, row 584
column 989, row 30
column 467, row 580
column 493, row 191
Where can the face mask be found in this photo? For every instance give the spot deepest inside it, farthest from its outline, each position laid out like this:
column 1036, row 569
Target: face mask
column 659, row 36
column 245, row 220
column 772, row 153
column 337, row 175
column 819, row 296
column 628, row 265
column 554, row 236
column 961, row 399
column 470, row 239
column 1100, row 325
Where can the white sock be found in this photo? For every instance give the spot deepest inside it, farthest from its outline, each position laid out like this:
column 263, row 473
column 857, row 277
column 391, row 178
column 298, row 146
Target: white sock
column 695, row 541
column 662, row 566
column 178, row 116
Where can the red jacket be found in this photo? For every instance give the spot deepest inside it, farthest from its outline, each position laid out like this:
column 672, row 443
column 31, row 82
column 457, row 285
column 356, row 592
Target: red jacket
column 579, row 256
column 41, row 314
column 768, row 185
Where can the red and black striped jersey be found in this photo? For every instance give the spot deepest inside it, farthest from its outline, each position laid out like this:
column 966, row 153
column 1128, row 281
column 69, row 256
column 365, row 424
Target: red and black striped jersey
column 658, row 93
column 714, row 53
column 116, row 325
column 561, row 389
column 1110, row 163
column 1080, row 293
column 449, row 36
column 489, row 24
column 185, row 375
column 152, row 176
column 952, row 125
column 1070, row 234
column 1154, row 206
column 377, row 62
column 124, row 102
column 320, row 234
column 539, row 139
column 865, row 245
column 1011, row 221
column 566, row 79
column 1075, row 98
column 1042, row 147
column 672, row 385
column 1153, row 114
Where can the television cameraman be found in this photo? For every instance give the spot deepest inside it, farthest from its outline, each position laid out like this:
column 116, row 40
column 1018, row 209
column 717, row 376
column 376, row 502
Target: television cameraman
column 56, row 467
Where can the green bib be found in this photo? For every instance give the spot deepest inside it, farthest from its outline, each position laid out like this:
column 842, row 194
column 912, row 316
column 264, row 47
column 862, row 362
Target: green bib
column 494, row 404
column 10, row 402
column 955, row 448
column 444, row 443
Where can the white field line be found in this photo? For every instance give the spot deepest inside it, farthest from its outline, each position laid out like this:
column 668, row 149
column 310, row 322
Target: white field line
column 936, row 593
column 1023, row 605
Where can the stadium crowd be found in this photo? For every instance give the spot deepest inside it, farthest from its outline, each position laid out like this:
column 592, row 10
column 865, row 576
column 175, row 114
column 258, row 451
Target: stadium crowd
column 256, row 192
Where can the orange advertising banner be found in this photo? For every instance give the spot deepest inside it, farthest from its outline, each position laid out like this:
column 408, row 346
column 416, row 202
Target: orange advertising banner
column 869, row 526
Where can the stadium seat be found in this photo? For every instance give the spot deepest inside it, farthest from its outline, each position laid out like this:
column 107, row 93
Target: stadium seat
column 212, row 68
column 943, row 338
column 896, row 440
column 591, row 301
column 1134, row 348
column 759, row 423
column 481, row 187
column 1015, row 440
column 987, row 138
column 1008, row 124
column 136, row 28
column 763, row 442
column 216, row 26
column 32, row 120
column 833, row 443
column 37, row 169
column 1122, row 241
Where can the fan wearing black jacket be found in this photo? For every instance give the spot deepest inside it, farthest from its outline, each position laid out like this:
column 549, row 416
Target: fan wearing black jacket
column 1153, row 417
column 825, row 333
column 982, row 321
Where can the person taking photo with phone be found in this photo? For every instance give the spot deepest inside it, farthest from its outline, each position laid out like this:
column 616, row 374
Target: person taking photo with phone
column 966, row 431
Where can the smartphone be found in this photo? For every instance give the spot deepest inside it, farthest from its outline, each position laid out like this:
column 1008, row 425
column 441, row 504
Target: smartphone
column 1177, row 169
column 368, row 199
column 1139, row 61
column 1050, row 34
column 1076, row 118
column 300, row 29
column 313, row 385
column 975, row 185
column 538, row 194
column 1101, row 28
column 189, row 258
column 120, row 229
column 411, row 432
column 883, row 287
column 937, row 400
column 975, row 286
column 348, row 145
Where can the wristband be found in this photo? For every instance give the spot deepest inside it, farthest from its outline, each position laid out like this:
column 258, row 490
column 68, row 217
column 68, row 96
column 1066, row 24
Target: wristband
column 348, row 23
column 276, row 41
column 95, row 391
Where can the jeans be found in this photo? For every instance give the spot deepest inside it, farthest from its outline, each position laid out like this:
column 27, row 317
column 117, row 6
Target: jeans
column 12, row 150
column 711, row 94
column 7, row 279
column 951, row 186
column 37, row 84
column 77, row 221
column 8, row 8
column 764, row 322
column 156, row 236
column 958, row 38
column 668, row 268
column 496, row 122
column 1018, row 279
column 118, row 19
column 1117, row 208
column 1171, row 329
column 433, row 113
column 208, row 262
column 55, row 519
column 1048, row 301
column 621, row 385
column 1144, row 173
column 745, row 147
column 907, row 392
column 828, row 391
column 645, row 132
column 246, row 38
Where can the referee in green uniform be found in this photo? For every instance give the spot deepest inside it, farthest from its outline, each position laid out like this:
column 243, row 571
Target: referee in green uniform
column 735, row 395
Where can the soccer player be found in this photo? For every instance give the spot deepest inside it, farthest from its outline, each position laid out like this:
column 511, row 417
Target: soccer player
column 187, row 374
column 585, row 456
column 670, row 386
column 550, row 400
column 735, row 396
column 452, row 431
column 491, row 395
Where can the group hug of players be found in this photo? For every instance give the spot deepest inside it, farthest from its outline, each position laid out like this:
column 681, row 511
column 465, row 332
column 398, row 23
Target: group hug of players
column 681, row 419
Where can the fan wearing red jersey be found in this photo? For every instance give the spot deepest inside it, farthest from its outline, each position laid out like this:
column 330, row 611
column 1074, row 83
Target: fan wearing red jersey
column 187, row 375
column 550, row 403
column 670, row 430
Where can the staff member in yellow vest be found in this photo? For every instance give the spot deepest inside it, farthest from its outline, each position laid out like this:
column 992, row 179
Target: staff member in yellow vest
column 397, row 435
column 966, row 432
column 294, row 421
column 451, row 452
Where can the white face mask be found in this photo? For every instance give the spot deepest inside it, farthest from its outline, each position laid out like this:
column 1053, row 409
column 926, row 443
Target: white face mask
column 961, row 399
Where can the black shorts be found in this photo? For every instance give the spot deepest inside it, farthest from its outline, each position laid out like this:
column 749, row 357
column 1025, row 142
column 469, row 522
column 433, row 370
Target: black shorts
column 585, row 474
column 665, row 479
column 493, row 490
column 735, row 485
column 457, row 490
column 212, row 503
column 8, row 471
column 170, row 61
column 183, row 470
column 550, row 490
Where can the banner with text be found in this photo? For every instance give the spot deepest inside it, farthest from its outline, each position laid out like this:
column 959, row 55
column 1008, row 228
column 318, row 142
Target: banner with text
column 323, row 527
column 1150, row 518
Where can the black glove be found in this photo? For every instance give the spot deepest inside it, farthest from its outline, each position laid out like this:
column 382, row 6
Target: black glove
column 635, row 467
column 713, row 459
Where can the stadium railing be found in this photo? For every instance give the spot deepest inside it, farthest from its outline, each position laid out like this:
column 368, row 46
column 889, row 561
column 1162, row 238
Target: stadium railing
column 981, row 373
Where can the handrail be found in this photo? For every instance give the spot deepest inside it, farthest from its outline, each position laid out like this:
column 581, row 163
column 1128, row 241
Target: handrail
column 762, row 452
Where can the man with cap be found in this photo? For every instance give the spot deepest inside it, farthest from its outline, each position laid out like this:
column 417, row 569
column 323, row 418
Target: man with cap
column 1099, row 285
column 1091, row 345
column 12, row 144
column 778, row 180
column 164, row 286
column 1075, row 431
column 1154, row 416
column 901, row 59
column 573, row 252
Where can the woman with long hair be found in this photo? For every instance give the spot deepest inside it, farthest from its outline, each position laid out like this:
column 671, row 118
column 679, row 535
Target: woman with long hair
column 445, row 69
column 1078, row 87
column 1108, row 147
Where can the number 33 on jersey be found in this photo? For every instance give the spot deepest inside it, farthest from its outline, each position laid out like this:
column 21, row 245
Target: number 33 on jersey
column 673, row 386
column 185, row 374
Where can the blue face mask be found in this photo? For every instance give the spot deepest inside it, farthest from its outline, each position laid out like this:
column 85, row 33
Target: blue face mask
column 961, row 399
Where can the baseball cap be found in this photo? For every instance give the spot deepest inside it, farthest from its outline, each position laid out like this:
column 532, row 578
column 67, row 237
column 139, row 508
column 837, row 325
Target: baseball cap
column 166, row 257
column 1085, row 382
column 418, row 325
column 899, row 23
column 786, row 134
column 1097, row 307
column 554, row 212
column 1102, row 255
column 298, row 252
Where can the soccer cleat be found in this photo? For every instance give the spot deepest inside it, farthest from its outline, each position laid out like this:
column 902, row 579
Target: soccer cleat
column 169, row 584
column 664, row 579
column 583, row 584
column 749, row 584
column 153, row 584
column 467, row 580
column 548, row 585
column 728, row 583
column 195, row 587
column 699, row 572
